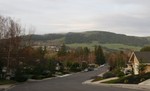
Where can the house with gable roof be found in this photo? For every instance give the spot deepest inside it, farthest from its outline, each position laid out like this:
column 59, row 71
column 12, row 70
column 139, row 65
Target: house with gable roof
column 138, row 58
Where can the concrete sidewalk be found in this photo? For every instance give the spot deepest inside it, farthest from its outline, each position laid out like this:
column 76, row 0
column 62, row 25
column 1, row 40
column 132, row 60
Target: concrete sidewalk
column 130, row 86
column 147, row 82
column 4, row 87
column 142, row 86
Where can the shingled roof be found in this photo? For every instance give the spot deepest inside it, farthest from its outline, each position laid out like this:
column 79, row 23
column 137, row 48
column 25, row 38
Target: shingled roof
column 143, row 57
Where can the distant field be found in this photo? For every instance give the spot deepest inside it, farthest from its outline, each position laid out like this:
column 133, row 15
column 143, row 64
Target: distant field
column 109, row 46
column 121, row 46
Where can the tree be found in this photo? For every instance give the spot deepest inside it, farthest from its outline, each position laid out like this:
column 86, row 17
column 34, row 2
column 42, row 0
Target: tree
column 146, row 48
column 11, row 34
column 86, row 52
column 99, row 55
column 79, row 54
column 12, row 45
column 62, row 51
column 41, row 51
column 52, row 65
column 117, row 60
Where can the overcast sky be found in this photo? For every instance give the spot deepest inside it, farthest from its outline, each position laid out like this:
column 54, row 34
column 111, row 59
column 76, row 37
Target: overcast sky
column 130, row 17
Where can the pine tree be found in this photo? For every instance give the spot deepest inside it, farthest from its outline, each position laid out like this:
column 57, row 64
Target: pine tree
column 62, row 51
column 86, row 52
column 99, row 55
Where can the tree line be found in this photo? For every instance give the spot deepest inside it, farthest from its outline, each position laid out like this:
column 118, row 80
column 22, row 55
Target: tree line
column 89, row 37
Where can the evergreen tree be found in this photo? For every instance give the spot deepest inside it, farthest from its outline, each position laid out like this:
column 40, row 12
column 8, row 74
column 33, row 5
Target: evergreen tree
column 145, row 49
column 62, row 51
column 86, row 52
column 99, row 55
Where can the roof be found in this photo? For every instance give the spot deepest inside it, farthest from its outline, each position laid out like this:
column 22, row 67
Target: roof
column 143, row 57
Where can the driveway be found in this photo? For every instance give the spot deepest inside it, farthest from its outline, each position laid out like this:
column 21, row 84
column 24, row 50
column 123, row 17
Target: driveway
column 69, row 83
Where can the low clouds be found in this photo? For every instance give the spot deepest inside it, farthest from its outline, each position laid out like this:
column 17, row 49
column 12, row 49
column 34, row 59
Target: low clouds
column 131, row 17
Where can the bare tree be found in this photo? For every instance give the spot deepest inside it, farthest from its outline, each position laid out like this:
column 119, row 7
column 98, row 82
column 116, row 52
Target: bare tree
column 11, row 34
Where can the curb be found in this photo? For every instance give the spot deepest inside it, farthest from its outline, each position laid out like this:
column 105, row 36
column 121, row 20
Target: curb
column 33, row 80
column 129, row 86
column 2, row 89
column 6, row 87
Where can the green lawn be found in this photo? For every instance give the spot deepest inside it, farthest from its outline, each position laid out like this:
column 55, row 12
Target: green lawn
column 3, row 82
column 109, row 46
column 121, row 46
column 133, row 79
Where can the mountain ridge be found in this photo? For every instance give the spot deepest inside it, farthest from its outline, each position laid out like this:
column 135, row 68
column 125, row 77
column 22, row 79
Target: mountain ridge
column 90, row 36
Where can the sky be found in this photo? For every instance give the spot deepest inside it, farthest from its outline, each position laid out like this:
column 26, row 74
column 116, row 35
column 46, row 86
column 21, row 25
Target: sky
column 131, row 17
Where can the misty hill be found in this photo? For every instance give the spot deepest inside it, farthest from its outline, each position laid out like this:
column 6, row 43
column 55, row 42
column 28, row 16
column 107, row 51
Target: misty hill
column 90, row 36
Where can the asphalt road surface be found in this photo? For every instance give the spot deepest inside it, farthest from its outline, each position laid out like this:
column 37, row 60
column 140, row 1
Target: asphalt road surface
column 69, row 83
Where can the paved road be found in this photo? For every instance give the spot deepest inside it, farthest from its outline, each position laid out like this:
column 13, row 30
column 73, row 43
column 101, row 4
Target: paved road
column 70, row 83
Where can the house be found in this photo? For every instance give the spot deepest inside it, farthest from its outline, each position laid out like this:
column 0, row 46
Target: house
column 138, row 58
column 54, row 48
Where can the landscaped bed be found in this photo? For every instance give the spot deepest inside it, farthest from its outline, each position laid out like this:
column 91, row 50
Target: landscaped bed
column 97, row 79
column 132, row 79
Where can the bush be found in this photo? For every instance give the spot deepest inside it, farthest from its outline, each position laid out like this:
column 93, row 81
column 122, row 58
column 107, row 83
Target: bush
column 38, row 77
column 47, row 73
column 75, row 67
column 20, row 75
column 84, row 65
column 133, row 79
column 108, row 75
column 65, row 72
column 120, row 74
column 21, row 78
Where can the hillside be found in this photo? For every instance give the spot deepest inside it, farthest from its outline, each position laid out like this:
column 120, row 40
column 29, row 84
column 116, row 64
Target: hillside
column 104, row 37
column 91, row 36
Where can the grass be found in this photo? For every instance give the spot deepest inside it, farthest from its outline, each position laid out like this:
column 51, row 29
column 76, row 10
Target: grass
column 109, row 46
column 61, row 40
column 97, row 79
column 75, row 45
column 133, row 79
column 121, row 46
column 4, row 82
column 112, row 81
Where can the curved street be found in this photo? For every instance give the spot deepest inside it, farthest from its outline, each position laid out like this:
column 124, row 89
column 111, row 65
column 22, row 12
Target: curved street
column 69, row 83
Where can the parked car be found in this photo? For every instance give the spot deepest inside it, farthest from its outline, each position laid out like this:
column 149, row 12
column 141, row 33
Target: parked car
column 91, row 67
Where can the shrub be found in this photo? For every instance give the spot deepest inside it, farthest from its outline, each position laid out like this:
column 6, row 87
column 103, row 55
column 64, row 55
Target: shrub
column 133, row 79
column 20, row 75
column 126, row 81
column 120, row 74
column 21, row 78
column 84, row 65
column 47, row 73
column 108, row 75
column 38, row 77
column 75, row 67
column 65, row 72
